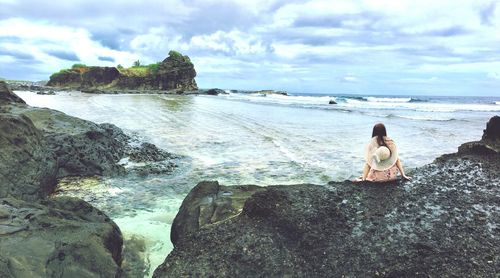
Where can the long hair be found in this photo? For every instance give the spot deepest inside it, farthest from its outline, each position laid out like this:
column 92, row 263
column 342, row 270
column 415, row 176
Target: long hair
column 380, row 132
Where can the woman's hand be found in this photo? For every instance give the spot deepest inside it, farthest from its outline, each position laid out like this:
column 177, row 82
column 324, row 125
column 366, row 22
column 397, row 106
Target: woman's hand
column 405, row 177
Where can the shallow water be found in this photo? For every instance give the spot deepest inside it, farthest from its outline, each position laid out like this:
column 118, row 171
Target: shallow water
column 248, row 138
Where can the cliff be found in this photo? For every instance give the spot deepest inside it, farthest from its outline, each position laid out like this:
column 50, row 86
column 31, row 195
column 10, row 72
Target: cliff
column 443, row 223
column 176, row 72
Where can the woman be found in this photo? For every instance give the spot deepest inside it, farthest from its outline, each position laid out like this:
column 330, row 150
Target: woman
column 381, row 156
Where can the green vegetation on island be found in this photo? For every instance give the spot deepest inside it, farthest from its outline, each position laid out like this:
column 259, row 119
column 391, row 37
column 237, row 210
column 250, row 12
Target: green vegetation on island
column 176, row 72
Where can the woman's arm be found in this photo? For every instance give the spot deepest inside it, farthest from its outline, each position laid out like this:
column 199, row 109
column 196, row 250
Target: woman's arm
column 401, row 170
column 366, row 169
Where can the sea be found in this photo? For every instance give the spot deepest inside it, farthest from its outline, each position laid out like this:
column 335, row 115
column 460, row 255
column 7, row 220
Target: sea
column 254, row 138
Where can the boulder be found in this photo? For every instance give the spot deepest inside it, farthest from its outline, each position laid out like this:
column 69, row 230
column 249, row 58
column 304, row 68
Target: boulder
column 214, row 92
column 59, row 237
column 209, row 203
column 443, row 223
column 6, row 95
column 492, row 131
column 489, row 144
column 27, row 169
column 332, row 102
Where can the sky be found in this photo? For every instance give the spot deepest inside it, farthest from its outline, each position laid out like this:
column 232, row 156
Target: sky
column 438, row 47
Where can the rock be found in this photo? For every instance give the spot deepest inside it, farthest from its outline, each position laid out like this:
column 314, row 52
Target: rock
column 134, row 257
column 332, row 102
column 176, row 72
column 148, row 152
column 271, row 92
column 60, row 237
column 214, row 92
column 208, row 203
column 82, row 148
column 492, row 131
column 489, row 144
column 46, row 92
column 27, row 169
column 443, row 223
column 93, row 91
column 6, row 95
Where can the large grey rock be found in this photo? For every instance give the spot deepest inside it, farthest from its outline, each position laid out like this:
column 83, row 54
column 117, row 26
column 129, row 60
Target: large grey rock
column 27, row 167
column 84, row 148
column 60, row 237
column 492, row 131
column 209, row 203
column 6, row 95
column 443, row 223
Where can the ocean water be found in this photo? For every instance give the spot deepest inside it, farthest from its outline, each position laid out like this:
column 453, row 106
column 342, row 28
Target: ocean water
column 245, row 138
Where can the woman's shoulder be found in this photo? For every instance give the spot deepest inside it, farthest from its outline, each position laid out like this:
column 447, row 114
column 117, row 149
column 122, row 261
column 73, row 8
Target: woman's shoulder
column 386, row 139
column 389, row 141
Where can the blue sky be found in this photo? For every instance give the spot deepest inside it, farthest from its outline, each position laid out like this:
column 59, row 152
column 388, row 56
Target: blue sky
column 358, row 47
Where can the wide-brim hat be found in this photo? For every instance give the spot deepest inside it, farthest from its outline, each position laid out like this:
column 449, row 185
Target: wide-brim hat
column 381, row 158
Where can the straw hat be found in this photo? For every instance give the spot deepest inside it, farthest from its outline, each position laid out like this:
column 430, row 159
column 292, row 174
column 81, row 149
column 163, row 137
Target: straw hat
column 381, row 158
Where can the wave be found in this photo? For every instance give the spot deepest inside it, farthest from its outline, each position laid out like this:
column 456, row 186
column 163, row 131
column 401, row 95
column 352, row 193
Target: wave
column 364, row 103
column 420, row 118
column 387, row 99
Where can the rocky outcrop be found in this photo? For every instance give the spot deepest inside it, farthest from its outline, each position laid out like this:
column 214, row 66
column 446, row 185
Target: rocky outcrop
column 59, row 237
column 443, row 223
column 27, row 169
column 176, row 72
column 42, row 236
column 209, row 203
column 6, row 95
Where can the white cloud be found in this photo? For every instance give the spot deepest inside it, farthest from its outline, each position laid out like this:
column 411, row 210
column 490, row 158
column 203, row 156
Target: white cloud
column 39, row 38
column 250, row 41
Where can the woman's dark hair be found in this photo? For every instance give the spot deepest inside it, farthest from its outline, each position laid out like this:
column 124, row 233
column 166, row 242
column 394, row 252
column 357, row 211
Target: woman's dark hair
column 380, row 132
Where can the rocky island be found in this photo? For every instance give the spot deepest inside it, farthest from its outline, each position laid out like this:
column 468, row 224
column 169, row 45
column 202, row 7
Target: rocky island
column 443, row 223
column 175, row 73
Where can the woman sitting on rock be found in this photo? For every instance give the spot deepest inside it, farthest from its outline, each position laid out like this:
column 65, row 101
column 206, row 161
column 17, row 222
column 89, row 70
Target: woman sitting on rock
column 381, row 156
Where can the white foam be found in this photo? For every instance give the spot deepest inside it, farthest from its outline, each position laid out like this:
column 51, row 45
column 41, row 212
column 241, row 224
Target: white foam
column 387, row 99
column 403, row 103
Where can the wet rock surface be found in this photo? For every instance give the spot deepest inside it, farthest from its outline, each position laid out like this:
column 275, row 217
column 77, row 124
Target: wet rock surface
column 59, row 237
column 27, row 170
column 42, row 236
column 209, row 203
column 6, row 94
column 443, row 223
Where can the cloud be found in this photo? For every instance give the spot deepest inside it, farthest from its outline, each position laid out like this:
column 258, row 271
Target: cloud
column 19, row 55
column 278, row 43
column 63, row 55
column 488, row 13
column 106, row 59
